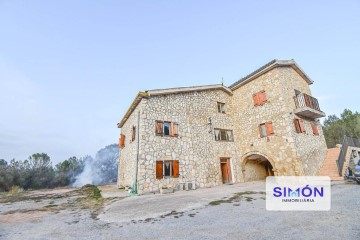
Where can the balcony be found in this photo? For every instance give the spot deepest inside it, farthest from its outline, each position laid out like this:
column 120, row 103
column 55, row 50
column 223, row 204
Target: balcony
column 307, row 106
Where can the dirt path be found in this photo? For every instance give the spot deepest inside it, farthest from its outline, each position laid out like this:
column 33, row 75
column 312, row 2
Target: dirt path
column 225, row 212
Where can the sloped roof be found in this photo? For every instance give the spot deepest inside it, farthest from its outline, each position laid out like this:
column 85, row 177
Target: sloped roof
column 168, row 91
column 267, row 67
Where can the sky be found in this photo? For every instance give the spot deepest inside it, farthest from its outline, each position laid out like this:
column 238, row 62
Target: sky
column 70, row 69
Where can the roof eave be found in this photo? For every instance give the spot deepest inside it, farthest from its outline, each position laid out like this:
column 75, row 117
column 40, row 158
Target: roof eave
column 274, row 64
column 169, row 91
column 132, row 107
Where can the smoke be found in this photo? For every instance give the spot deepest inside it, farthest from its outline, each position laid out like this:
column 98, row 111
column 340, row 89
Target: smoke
column 100, row 170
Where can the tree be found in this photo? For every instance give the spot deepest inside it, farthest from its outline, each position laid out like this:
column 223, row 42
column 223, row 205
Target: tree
column 335, row 128
column 66, row 171
column 39, row 171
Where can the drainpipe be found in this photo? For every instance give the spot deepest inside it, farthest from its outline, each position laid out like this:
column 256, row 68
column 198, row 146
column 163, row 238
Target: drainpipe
column 134, row 187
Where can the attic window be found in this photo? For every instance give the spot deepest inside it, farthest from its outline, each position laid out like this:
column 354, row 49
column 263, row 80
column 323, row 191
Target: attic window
column 221, row 107
column 133, row 133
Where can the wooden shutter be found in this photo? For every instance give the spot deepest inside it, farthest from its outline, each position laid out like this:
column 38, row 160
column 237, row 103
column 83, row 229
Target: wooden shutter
column 133, row 133
column 302, row 126
column 262, row 97
column 315, row 129
column 269, row 129
column 159, row 169
column 260, row 131
column 297, row 125
column 122, row 141
column 256, row 99
column 176, row 168
column 159, row 128
column 174, row 129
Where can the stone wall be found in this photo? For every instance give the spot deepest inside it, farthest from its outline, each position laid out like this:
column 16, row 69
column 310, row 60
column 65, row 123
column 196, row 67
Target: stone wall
column 254, row 171
column 195, row 148
column 288, row 152
column 127, row 160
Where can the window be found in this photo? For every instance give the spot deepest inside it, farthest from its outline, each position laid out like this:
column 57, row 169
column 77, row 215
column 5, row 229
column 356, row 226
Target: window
column 315, row 129
column 266, row 129
column 223, row 135
column 167, row 169
column 299, row 125
column 166, row 129
column 221, row 107
column 122, row 141
column 133, row 133
column 259, row 98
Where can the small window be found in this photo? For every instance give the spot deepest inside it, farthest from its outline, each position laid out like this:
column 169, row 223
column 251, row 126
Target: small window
column 262, row 130
column 315, row 129
column 259, row 98
column 166, row 128
column 133, row 133
column 223, row 135
column 167, row 169
column 221, row 107
column 266, row 129
column 299, row 125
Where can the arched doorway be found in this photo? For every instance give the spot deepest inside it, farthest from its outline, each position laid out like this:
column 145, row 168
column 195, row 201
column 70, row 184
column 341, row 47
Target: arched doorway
column 256, row 166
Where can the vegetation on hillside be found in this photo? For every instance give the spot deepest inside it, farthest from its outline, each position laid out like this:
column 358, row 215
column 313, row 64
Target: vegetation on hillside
column 335, row 128
column 38, row 172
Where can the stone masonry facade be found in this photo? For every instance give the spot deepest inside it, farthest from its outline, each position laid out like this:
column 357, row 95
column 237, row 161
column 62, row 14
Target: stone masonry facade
column 250, row 154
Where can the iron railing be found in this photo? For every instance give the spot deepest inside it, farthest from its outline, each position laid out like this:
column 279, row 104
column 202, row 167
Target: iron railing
column 304, row 100
column 347, row 142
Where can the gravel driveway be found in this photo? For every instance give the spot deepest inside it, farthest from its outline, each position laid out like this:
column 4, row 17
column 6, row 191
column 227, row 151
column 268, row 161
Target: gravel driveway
column 226, row 212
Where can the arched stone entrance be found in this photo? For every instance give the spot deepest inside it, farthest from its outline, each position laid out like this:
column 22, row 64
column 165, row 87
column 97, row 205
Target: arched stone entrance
column 257, row 166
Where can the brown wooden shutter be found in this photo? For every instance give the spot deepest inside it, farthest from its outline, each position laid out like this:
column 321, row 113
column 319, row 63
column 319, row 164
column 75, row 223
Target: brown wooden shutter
column 159, row 169
column 297, row 125
column 315, row 129
column 302, row 126
column 269, row 129
column 262, row 97
column 159, row 128
column 260, row 131
column 172, row 129
column 122, row 141
column 175, row 129
column 256, row 99
column 176, row 169
column 133, row 132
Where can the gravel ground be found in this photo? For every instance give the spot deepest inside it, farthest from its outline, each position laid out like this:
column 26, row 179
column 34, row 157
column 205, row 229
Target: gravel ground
column 230, row 211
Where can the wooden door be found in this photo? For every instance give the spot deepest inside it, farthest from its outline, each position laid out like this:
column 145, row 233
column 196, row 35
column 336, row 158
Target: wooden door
column 225, row 170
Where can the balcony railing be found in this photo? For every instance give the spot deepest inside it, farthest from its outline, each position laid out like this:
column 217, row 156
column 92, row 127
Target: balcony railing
column 304, row 100
column 308, row 106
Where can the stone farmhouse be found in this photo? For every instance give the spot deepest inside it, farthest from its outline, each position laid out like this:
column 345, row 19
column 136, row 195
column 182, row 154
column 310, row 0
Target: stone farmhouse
column 265, row 124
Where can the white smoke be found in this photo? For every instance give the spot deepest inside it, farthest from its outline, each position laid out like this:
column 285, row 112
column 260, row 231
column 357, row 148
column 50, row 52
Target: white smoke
column 102, row 169
column 89, row 175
